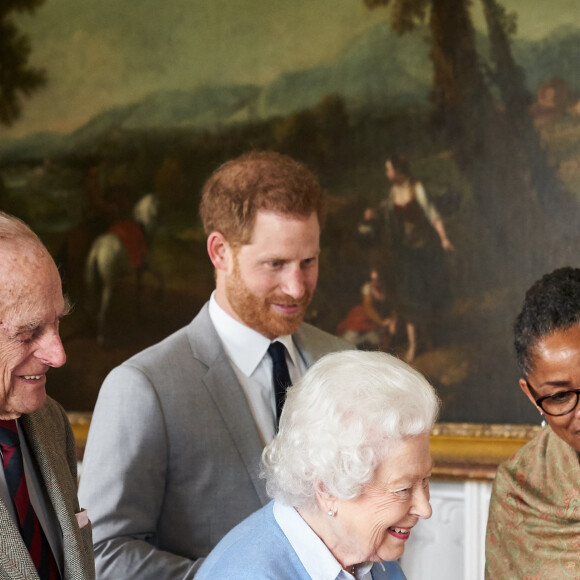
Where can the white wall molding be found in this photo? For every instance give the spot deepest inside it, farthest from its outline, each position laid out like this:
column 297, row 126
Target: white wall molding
column 450, row 545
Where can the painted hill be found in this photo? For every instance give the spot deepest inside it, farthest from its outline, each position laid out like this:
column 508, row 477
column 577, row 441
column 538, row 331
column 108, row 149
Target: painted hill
column 380, row 69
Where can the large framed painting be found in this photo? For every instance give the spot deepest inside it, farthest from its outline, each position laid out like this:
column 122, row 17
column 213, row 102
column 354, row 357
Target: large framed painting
column 469, row 109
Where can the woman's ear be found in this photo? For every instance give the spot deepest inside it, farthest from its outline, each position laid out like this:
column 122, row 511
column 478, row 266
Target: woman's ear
column 325, row 500
column 525, row 387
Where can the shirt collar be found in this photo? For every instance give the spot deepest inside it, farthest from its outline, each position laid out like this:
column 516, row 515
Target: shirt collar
column 311, row 550
column 244, row 346
column 363, row 569
column 313, row 553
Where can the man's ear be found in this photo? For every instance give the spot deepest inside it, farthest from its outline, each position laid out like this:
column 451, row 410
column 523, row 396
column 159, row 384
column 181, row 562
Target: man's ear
column 218, row 250
column 526, row 389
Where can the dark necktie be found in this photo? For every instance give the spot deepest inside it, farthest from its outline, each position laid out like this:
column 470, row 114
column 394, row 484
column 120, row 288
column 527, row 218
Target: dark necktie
column 280, row 374
column 28, row 523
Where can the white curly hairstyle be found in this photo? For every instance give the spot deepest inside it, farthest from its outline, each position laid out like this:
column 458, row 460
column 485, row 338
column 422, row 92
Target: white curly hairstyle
column 339, row 422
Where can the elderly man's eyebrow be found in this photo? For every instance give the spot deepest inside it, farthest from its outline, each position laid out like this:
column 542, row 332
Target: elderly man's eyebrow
column 26, row 328
column 32, row 325
column 29, row 326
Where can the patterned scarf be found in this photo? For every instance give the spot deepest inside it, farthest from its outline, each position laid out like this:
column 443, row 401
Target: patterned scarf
column 533, row 531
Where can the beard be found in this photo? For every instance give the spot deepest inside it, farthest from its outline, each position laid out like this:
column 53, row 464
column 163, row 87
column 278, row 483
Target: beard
column 256, row 311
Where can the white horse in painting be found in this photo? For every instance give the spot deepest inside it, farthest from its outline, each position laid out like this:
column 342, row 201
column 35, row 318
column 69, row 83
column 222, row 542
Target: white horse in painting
column 108, row 261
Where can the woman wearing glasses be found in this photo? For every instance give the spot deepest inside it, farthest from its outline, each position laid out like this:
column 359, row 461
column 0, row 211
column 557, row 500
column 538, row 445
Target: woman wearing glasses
column 534, row 516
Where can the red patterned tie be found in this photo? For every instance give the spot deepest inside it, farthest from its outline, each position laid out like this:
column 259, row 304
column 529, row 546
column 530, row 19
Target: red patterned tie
column 30, row 527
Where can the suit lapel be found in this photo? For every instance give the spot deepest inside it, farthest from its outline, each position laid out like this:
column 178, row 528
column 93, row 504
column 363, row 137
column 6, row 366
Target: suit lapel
column 310, row 350
column 50, row 454
column 15, row 561
column 226, row 392
column 229, row 397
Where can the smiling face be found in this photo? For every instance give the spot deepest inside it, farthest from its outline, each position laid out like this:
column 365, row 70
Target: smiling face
column 268, row 283
column 31, row 304
column 375, row 525
column 556, row 368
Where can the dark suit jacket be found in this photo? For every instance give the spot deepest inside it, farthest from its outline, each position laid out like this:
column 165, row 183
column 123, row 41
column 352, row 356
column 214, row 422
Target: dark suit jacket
column 52, row 446
column 173, row 454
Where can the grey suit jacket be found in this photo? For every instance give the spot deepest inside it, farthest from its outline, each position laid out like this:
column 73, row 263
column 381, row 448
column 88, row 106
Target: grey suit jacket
column 51, row 443
column 173, row 454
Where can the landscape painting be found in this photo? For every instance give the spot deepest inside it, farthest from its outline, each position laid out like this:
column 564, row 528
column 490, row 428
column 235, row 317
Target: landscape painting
column 115, row 113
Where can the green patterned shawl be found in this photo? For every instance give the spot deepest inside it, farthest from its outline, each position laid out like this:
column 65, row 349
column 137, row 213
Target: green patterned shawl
column 533, row 531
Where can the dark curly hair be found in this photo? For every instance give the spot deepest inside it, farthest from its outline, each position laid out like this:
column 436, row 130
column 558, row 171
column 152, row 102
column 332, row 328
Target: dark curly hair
column 551, row 304
column 400, row 164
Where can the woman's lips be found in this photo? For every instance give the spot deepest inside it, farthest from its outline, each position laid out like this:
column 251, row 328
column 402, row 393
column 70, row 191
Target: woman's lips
column 400, row 533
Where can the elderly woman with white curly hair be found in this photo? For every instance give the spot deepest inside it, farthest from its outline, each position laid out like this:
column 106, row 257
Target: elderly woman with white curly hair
column 349, row 474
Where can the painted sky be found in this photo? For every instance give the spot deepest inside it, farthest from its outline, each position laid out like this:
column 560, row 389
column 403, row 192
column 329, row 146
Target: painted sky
column 101, row 53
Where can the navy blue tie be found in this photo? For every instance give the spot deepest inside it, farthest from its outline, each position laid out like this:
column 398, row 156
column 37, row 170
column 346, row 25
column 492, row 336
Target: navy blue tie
column 280, row 375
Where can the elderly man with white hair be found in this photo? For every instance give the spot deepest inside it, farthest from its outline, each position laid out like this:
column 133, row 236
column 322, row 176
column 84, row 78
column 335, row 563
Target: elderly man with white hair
column 43, row 531
column 348, row 472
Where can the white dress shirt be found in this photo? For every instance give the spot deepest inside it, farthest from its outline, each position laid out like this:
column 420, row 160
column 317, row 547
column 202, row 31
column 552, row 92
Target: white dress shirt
column 248, row 353
column 311, row 550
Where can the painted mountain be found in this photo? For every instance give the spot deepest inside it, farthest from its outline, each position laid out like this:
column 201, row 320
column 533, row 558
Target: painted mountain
column 379, row 69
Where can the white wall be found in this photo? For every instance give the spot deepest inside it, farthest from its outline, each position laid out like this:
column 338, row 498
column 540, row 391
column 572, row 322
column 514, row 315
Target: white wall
column 450, row 545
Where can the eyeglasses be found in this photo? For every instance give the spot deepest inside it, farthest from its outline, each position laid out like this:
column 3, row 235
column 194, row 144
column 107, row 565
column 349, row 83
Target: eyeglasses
column 558, row 404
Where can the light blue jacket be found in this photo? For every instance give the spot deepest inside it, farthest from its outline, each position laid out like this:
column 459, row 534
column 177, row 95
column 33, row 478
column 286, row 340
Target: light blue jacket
column 257, row 549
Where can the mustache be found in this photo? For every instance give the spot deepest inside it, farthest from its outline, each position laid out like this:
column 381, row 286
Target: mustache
column 285, row 300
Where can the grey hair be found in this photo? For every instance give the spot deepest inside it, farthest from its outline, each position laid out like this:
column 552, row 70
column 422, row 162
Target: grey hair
column 339, row 422
column 16, row 231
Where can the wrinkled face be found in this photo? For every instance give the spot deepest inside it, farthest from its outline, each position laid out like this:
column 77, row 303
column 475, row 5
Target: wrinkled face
column 556, row 368
column 31, row 304
column 273, row 277
column 375, row 525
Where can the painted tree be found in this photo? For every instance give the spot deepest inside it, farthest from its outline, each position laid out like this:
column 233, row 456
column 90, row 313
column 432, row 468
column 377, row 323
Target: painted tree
column 17, row 78
column 314, row 135
column 510, row 79
column 479, row 130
